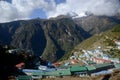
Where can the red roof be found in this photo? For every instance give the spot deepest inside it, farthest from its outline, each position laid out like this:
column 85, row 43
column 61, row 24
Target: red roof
column 56, row 64
column 20, row 65
column 74, row 61
column 100, row 59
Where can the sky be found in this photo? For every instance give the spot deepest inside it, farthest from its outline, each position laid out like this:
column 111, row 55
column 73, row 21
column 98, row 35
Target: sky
column 11, row 10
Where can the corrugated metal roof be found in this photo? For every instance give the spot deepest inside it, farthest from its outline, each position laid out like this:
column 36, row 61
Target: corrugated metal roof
column 59, row 72
column 90, row 68
column 52, row 73
column 117, row 65
column 103, row 65
column 77, row 68
column 24, row 78
column 33, row 72
column 65, row 72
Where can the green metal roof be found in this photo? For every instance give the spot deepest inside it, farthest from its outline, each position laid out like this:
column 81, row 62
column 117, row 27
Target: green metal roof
column 117, row 65
column 59, row 72
column 90, row 68
column 24, row 78
column 77, row 68
column 36, row 73
column 102, row 65
column 64, row 72
column 51, row 73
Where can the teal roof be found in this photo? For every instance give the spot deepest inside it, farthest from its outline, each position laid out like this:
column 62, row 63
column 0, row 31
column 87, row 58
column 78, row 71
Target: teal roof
column 102, row 65
column 59, row 72
column 117, row 65
column 36, row 73
column 24, row 78
column 77, row 68
column 52, row 73
column 90, row 68
column 65, row 72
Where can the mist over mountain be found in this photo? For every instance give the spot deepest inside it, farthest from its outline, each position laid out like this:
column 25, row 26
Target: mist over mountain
column 53, row 38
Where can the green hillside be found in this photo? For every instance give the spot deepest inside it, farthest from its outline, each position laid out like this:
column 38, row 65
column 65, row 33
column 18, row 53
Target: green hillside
column 105, row 39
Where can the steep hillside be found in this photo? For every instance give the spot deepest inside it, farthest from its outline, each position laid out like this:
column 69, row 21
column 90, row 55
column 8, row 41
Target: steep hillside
column 96, row 24
column 105, row 39
column 53, row 38
column 62, row 35
column 49, row 38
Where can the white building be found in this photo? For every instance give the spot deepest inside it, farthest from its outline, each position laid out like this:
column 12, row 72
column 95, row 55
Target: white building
column 42, row 67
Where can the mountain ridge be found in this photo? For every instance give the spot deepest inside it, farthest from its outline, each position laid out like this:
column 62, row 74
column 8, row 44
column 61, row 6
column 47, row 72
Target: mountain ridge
column 104, row 40
column 41, row 35
column 53, row 38
column 96, row 24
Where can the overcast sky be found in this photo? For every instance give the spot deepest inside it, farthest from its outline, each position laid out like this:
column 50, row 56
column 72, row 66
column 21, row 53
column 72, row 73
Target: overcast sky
column 11, row 10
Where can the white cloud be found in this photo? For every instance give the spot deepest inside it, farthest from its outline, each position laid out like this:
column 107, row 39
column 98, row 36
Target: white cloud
column 97, row 7
column 7, row 12
column 25, row 7
column 22, row 9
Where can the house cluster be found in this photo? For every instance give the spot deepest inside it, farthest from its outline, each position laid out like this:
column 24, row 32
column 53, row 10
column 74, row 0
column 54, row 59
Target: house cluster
column 95, row 62
column 98, row 56
column 89, row 63
column 71, row 70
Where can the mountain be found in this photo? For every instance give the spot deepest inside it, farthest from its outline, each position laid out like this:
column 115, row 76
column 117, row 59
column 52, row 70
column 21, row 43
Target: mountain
column 104, row 39
column 50, row 39
column 53, row 38
column 96, row 24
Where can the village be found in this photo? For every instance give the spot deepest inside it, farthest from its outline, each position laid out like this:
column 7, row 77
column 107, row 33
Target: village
column 88, row 64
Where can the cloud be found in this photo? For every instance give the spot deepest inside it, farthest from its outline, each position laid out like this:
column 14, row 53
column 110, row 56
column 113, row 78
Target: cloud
column 22, row 9
column 97, row 7
column 7, row 12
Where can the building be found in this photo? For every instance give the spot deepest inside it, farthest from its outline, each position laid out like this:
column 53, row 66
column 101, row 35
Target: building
column 58, row 72
column 74, row 61
column 100, row 60
column 20, row 65
column 78, row 70
column 24, row 78
column 104, row 66
column 91, row 69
